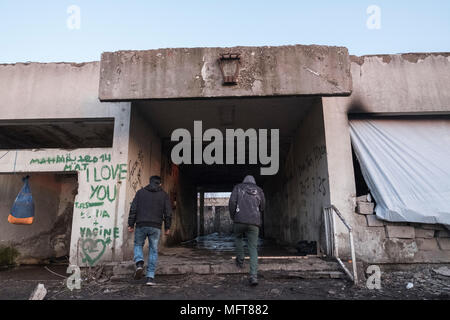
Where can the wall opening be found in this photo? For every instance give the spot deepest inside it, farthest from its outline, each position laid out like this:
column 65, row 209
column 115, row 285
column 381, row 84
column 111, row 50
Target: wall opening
column 47, row 240
column 56, row 133
column 295, row 196
column 361, row 186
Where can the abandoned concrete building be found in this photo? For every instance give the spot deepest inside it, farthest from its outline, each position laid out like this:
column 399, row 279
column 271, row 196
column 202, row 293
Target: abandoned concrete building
column 91, row 134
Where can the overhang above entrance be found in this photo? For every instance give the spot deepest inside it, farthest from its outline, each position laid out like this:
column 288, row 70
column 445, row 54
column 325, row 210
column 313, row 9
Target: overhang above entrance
column 197, row 73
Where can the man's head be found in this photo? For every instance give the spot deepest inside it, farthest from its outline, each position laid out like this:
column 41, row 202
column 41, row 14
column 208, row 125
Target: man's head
column 249, row 179
column 155, row 180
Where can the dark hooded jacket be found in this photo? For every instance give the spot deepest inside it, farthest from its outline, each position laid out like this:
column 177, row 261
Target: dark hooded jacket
column 150, row 207
column 247, row 202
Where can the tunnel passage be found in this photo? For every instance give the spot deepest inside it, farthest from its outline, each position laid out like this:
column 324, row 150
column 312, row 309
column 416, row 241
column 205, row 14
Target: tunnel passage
column 295, row 195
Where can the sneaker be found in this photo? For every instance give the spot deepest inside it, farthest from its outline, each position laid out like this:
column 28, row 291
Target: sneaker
column 253, row 280
column 139, row 270
column 239, row 263
column 150, row 282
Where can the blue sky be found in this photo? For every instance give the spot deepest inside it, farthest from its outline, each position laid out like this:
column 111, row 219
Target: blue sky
column 37, row 30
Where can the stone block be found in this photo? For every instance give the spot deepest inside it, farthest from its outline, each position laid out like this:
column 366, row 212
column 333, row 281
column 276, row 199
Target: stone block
column 373, row 221
column 424, row 233
column 444, row 243
column 401, row 232
column 443, row 234
column 427, row 244
column 432, row 227
column 365, row 207
column 364, row 198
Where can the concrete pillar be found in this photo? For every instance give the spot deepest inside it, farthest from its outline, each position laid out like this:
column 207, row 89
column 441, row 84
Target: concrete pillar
column 202, row 214
column 216, row 214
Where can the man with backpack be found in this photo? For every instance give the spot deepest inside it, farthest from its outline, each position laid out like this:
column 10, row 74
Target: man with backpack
column 150, row 207
column 246, row 205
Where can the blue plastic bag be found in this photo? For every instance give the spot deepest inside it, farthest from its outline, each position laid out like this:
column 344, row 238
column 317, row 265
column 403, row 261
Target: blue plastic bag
column 22, row 211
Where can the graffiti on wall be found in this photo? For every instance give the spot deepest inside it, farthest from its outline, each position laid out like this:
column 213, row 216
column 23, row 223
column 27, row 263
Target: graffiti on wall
column 136, row 171
column 309, row 181
column 95, row 203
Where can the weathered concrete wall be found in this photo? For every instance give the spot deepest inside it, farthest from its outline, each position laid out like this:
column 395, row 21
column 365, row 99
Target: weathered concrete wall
column 144, row 161
column 390, row 84
column 297, row 194
column 70, row 91
column 217, row 220
column 195, row 72
column 53, row 91
column 413, row 83
column 49, row 235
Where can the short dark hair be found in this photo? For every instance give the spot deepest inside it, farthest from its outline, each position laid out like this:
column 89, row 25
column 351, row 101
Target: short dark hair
column 155, row 179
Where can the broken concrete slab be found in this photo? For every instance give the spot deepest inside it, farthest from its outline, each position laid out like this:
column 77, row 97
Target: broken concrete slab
column 195, row 73
column 38, row 293
column 443, row 271
column 365, row 207
column 401, row 232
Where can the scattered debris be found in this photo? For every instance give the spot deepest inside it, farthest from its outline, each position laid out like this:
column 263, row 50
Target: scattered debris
column 56, row 274
column 424, row 283
column 97, row 274
column 38, row 293
column 443, row 271
column 275, row 292
column 305, row 248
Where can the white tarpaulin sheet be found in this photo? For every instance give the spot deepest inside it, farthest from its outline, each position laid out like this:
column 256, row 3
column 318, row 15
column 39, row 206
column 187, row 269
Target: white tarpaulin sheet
column 406, row 165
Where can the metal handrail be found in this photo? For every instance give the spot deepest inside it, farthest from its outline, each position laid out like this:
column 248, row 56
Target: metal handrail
column 331, row 240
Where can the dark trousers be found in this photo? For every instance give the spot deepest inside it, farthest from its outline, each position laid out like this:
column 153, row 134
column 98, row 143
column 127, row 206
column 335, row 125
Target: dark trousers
column 252, row 233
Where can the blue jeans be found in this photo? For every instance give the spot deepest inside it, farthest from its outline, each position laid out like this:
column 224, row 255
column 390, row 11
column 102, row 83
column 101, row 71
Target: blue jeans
column 153, row 234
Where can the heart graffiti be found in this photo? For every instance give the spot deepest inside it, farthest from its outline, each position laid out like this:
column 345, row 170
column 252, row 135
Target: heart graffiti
column 93, row 250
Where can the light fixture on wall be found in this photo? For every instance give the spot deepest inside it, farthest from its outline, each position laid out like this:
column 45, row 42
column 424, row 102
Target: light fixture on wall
column 230, row 58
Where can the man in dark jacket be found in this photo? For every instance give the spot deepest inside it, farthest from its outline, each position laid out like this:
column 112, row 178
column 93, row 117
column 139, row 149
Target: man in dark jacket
column 246, row 205
column 150, row 207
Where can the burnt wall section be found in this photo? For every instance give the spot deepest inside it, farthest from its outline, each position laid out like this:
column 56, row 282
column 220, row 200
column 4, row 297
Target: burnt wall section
column 195, row 73
column 297, row 194
column 183, row 195
column 49, row 236
column 388, row 85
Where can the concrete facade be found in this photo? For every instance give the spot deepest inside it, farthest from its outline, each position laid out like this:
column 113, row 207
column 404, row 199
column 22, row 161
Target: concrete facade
column 390, row 85
column 69, row 91
column 298, row 194
column 315, row 171
column 194, row 73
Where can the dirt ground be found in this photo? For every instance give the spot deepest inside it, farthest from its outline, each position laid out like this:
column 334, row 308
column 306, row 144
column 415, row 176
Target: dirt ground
column 18, row 283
